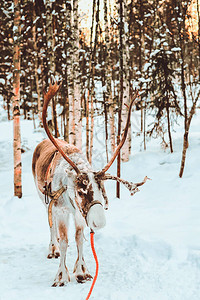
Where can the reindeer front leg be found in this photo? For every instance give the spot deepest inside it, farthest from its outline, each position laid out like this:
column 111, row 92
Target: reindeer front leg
column 80, row 269
column 62, row 277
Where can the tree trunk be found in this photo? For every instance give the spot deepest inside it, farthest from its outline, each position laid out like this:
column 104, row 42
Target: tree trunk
column 168, row 126
column 108, row 79
column 16, row 103
column 50, row 33
column 66, row 130
column 126, row 85
column 144, row 126
column 8, row 107
column 88, row 84
column 53, row 68
column 92, row 86
column 121, row 27
column 106, row 123
column 198, row 24
column 104, row 65
column 186, row 134
column 77, row 84
column 54, row 117
column 141, row 17
column 36, row 67
column 91, row 125
column 182, row 52
column 67, row 45
column 185, row 146
column 87, row 125
column 70, row 75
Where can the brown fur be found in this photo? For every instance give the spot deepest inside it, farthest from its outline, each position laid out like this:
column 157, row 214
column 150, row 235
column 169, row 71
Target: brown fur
column 78, row 233
column 43, row 155
column 60, row 276
column 62, row 231
column 84, row 189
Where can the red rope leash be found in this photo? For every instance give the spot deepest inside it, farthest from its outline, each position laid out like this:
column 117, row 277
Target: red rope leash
column 97, row 264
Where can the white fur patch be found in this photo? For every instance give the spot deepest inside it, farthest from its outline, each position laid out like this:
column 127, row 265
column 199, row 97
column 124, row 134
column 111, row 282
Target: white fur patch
column 96, row 217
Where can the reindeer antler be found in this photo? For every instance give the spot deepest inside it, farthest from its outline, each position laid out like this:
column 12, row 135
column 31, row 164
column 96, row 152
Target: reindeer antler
column 123, row 137
column 53, row 89
column 132, row 187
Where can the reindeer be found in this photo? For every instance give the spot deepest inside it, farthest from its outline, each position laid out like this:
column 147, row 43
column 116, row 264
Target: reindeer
column 67, row 184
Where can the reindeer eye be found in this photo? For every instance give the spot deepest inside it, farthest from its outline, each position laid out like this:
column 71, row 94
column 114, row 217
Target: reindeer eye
column 85, row 182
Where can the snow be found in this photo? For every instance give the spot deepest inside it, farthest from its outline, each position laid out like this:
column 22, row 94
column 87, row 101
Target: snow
column 2, row 81
column 176, row 49
column 150, row 247
column 36, row 19
column 155, row 52
column 146, row 66
column 15, row 28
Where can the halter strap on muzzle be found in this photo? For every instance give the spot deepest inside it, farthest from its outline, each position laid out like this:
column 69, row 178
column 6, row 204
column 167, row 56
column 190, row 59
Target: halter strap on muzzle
column 87, row 208
column 93, row 203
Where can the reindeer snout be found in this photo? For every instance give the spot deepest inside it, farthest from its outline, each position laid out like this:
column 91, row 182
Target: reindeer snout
column 96, row 217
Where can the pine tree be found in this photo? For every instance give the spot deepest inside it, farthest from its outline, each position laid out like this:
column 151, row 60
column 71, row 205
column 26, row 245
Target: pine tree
column 161, row 85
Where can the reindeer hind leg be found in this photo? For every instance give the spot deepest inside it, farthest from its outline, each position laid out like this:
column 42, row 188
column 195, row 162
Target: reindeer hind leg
column 54, row 251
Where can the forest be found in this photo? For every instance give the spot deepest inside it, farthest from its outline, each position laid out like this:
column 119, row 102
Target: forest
column 152, row 46
column 103, row 53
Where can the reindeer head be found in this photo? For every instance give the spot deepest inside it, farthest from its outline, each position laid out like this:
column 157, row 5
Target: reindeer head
column 89, row 189
column 90, row 199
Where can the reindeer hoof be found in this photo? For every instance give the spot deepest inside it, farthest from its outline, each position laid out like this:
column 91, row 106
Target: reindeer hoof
column 54, row 284
column 53, row 255
column 53, row 251
column 83, row 278
column 62, row 278
column 57, row 254
column 60, row 284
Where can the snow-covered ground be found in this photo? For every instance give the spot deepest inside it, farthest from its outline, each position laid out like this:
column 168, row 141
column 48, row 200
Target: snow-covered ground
column 149, row 249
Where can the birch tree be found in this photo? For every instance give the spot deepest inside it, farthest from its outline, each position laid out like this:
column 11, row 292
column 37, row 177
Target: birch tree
column 73, row 72
column 76, row 73
column 123, row 85
column 16, row 102
column 36, row 53
column 69, row 127
column 108, row 77
column 92, row 88
column 70, row 73
column 126, row 86
column 50, row 38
